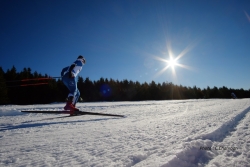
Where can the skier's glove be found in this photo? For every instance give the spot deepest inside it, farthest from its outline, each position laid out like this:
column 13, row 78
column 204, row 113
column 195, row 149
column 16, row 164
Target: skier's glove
column 71, row 75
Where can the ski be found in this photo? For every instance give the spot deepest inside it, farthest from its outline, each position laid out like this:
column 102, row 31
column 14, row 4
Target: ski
column 68, row 112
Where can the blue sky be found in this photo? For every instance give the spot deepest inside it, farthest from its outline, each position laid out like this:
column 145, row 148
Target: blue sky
column 128, row 39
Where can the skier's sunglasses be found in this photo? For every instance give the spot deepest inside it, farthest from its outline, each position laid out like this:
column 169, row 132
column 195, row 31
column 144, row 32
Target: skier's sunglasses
column 83, row 61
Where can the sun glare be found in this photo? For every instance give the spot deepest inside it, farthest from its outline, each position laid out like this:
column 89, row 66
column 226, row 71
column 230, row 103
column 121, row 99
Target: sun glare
column 172, row 61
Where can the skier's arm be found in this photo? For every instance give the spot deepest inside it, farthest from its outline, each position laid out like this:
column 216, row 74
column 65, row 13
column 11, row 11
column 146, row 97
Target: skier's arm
column 71, row 73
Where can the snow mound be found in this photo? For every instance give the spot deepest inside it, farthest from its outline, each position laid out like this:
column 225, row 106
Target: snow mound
column 134, row 159
column 196, row 153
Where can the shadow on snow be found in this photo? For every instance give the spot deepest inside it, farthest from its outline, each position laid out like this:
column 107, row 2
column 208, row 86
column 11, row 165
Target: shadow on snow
column 31, row 124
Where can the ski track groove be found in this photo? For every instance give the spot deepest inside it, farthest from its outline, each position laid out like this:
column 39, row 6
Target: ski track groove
column 200, row 158
column 240, row 140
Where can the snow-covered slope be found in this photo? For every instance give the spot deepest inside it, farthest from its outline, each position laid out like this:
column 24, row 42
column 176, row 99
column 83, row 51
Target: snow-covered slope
column 185, row 133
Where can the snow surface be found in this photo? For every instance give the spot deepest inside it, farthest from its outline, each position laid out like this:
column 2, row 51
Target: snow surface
column 183, row 133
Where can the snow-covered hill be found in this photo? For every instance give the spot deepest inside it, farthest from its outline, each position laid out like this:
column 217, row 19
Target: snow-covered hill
column 183, row 133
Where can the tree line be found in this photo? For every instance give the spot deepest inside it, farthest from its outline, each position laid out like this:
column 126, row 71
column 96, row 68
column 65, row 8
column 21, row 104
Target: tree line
column 14, row 89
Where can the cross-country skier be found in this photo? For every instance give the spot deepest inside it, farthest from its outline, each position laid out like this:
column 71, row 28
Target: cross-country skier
column 233, row 95
column 68, row 75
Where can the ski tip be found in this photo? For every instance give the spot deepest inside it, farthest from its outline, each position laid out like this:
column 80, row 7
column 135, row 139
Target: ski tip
column 122, row 116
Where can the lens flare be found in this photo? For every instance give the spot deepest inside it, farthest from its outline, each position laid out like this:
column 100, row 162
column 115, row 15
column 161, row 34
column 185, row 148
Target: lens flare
column 248, row 17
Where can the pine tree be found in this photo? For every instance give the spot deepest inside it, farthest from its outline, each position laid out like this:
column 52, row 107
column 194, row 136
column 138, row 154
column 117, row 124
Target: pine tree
column 3, row 88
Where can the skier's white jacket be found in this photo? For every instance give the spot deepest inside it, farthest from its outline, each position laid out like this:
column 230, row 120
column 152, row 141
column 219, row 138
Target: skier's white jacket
column 78, row 67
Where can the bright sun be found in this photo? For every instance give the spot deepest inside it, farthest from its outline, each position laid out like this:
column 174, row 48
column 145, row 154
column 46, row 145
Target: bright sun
column 172, row 62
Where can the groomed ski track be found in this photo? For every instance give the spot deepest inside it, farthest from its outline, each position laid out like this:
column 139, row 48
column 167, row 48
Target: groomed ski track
column 154, row 133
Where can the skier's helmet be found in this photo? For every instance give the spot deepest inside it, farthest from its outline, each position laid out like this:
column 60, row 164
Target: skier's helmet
column 80, row 57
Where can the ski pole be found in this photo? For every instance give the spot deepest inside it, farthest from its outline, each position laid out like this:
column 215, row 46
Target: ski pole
column 29, row 84
column 23, row 80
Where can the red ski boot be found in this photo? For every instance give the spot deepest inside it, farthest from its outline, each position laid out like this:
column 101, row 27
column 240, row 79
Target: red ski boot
column 70, row 106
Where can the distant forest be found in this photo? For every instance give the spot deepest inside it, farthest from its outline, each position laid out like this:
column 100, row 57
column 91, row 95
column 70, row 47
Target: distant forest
column 14, row 89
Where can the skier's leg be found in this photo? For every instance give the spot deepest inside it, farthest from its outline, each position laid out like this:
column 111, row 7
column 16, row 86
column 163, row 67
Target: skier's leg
column 72, row 86
column 70, row 83
column 76, row 97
